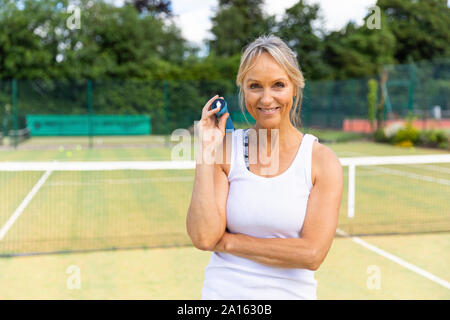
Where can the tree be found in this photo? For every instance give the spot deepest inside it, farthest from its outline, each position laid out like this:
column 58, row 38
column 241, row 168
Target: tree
column 117, row 42
column 153, row 6
column 112, row 42
column 297, row 28
column 236, row 23
column 30, row 38
column 421, row 28
column 356, row 52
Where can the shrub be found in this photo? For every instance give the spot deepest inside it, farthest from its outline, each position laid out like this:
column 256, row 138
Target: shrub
column 404, row 144
column 444, row 145
column 405, row 135
column 391, row 131
column 433, row 138
column 380, row 136
column 409, row 133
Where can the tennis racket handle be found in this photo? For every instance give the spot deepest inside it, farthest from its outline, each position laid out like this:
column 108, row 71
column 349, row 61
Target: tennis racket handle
column 229, row 124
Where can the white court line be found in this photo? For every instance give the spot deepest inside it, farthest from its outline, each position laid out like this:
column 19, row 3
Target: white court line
column 396, row 259
column 410, row 175
column 24, row 204
column 431, row 167
column 350, row 154
column 119, row 181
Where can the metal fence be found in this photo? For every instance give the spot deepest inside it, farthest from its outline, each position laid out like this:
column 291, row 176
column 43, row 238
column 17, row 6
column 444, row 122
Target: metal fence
column 421, row 89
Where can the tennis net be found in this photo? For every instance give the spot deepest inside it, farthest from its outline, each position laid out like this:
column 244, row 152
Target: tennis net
column 398, row 194
column 76, row 206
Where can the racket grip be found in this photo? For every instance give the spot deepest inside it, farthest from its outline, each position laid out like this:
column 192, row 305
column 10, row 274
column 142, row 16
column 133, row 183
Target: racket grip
column 229, row 125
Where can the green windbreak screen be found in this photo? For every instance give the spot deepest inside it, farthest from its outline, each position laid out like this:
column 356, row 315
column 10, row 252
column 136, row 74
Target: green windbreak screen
column 84, row 125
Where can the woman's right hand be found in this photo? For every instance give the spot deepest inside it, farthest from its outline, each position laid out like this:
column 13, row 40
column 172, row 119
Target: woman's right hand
column 210, row 132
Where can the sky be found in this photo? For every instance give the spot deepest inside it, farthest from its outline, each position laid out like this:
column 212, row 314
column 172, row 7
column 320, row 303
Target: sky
column 193, row 16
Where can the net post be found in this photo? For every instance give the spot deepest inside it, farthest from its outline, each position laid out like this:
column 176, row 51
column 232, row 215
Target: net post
column 306, row 106
column 412, row 79
column 352, row 103
column 15, row 112
column 89, row 93
column 351, row 191
column 166, row 110
column 329, row 104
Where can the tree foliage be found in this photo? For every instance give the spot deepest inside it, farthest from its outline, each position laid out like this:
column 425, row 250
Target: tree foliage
column 112, row 42
column 235, row 24
column 297, row 28
column 139, row 42
column 421, row 28
column 356, row 52
column 153, row 6
column 140, row 39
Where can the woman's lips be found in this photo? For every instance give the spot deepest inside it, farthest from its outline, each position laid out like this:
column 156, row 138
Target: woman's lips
column 268, row 111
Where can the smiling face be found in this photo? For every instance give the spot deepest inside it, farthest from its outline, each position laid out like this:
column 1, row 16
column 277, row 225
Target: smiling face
column 268, row 92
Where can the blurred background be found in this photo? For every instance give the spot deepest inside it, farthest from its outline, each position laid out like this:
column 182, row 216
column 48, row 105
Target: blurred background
column 92, row 90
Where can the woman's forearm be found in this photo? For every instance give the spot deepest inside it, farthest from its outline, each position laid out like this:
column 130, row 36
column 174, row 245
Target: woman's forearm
column 205, row 226
column 276, row 252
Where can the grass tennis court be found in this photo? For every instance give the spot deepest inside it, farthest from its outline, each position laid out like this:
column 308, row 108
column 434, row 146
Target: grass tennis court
column 135, row 208
column 177, row 273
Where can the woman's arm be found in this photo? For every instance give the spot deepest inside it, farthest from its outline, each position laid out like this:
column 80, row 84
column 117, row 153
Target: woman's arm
column 319, row 226
column 206, row 220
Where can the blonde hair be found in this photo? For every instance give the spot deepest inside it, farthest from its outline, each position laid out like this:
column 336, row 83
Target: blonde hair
column 285, row 57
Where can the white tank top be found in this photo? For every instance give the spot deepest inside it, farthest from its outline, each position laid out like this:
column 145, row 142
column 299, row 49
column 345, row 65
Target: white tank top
column 265, row 208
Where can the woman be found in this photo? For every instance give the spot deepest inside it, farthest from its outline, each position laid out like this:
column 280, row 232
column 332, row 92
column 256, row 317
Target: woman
column 269, row 222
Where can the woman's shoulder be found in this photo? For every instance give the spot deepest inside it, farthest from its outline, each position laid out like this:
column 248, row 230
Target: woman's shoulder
column 324, row 161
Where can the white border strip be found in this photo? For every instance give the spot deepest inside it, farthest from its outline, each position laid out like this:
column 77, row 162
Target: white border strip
column 24, row 204
column 182, row 165
column 367, row 161
column 95, row 165
column 397, row 260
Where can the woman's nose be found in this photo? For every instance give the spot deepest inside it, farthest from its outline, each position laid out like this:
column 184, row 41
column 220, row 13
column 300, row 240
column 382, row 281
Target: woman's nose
column 266, row 98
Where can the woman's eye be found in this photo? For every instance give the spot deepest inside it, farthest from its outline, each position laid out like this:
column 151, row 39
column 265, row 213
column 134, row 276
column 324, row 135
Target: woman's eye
column 278, row 85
